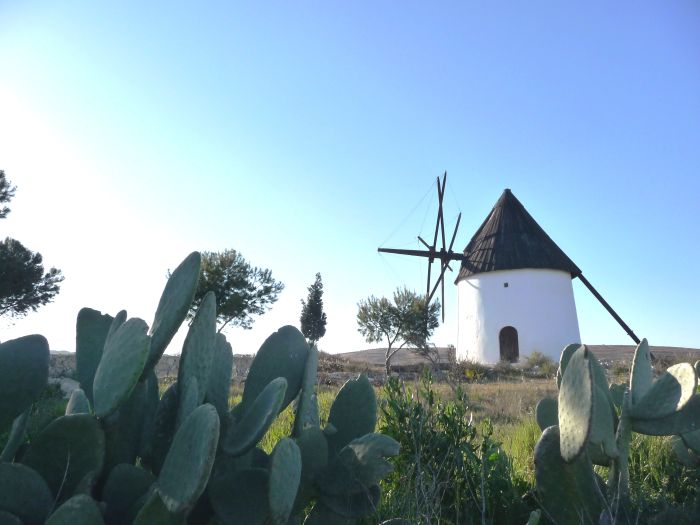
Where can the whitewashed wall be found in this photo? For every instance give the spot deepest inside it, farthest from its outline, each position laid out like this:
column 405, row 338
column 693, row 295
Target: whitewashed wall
column 538, row 303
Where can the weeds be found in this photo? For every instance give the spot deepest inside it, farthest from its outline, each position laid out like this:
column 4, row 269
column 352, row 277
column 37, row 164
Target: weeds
column 449, row 471
column 541, row 365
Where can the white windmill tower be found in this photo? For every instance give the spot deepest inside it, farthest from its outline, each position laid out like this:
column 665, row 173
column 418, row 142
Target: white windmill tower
column 514, row 290
column 514, row 287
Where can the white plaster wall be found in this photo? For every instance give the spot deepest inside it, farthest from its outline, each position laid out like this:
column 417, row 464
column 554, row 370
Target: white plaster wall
column 538, row 303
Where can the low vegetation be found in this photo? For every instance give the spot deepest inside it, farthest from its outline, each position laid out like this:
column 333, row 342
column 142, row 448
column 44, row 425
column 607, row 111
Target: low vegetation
column 537, row 443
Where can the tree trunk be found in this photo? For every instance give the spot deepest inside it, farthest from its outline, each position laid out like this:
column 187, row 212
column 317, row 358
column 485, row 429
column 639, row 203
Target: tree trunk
column 387, row 361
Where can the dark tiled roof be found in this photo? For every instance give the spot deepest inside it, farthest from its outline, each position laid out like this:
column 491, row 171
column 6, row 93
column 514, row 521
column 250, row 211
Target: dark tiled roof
column 510, row 239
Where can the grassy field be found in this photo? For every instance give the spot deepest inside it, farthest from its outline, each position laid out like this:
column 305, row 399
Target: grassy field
column 467, row 447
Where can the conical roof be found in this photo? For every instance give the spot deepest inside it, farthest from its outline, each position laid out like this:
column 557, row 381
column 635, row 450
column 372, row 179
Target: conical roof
column 510, row 239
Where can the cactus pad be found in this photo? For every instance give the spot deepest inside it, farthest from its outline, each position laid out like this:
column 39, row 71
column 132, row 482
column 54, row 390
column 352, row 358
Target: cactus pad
column 173, row 305
column 125, row 485
column 66, row 451
column 188, row 399
column 186, row 469
column 122, row 363
column 154, row 512
column 314, row 452
column 116, row 323
column 599, row 377
column 353, row 413
column 617, row 394
column 358, row 465
column 24, row 373
column 307, row 407
column 685, row 420
column 240, row 497
column 123, row 429
column 576, row 405
column 92, row 328
column 283, row 354
column 641, row 376
column 219, row 385
column 149, row 416
column 567, row 491
column 692, row 440
column 78, row 403
column 546, row 412
column 6, row 518
column 285, row 474
column 163, row 428
column 683, row 455
column 79, row 510
column 603, row 425
column 668, row 394
column 24, row 493
column 257, row 418
column 16, row 437
column 564, row 360
column 198, row 349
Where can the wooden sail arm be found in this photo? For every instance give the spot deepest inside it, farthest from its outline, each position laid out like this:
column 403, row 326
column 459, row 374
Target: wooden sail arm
column 433, row 254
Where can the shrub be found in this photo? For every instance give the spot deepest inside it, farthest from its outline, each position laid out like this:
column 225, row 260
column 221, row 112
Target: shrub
column 469, row 371
column 541, row 365
column 448, row 471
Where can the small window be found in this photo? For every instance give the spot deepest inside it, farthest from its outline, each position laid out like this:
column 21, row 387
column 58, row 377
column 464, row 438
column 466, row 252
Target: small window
column 505, row 285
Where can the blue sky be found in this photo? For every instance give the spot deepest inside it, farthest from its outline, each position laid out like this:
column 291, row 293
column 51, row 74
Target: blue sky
column 306, row 135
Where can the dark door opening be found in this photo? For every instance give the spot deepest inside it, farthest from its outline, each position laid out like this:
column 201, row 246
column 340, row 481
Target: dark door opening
column 508, row 339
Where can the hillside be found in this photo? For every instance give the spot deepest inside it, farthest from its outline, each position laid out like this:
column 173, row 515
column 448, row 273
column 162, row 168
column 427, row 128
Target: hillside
column 607, row 353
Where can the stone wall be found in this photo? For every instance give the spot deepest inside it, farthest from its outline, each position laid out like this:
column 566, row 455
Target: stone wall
column 62, row 369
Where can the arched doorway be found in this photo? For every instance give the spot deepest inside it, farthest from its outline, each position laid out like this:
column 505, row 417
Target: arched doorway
column 508, row 340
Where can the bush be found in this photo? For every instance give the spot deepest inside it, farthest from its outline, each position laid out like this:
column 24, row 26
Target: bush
column 448, row 471
column 540, row 364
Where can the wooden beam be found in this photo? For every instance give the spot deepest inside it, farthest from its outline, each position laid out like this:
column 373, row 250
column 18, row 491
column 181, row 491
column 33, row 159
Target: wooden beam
column 609, row 308
column 424, row 253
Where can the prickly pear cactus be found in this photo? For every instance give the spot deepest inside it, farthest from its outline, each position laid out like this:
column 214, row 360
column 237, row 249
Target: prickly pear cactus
column 79, row 510
column 121, row 365
column 24, row 374
column 122, row 453
column 576, row 405
column 595, row 425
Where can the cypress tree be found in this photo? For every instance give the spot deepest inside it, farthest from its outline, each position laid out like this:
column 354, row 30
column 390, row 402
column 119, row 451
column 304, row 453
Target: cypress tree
column 313, row 318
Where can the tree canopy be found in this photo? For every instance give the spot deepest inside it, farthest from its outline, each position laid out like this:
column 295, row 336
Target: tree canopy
column 313, row 318
column 407, row 321
column 24, row 286
column 7, row 191
column 242, row 291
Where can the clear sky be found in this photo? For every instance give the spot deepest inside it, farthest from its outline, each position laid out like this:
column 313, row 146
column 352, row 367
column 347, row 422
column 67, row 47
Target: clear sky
column 307, row 134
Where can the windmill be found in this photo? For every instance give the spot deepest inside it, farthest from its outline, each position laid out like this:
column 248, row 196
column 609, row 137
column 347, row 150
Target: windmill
column 508, row 250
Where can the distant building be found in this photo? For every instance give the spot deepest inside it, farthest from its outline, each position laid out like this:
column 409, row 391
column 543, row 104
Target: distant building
column 514, row 290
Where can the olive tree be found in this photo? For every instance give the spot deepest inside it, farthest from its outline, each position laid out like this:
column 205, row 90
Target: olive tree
column 406, row 321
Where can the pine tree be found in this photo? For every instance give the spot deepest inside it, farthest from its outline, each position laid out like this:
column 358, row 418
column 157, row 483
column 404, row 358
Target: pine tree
column 24, row 286
column 313, row 318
